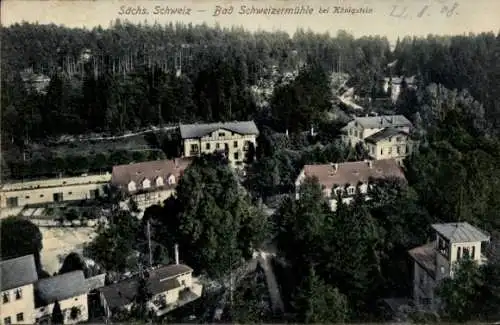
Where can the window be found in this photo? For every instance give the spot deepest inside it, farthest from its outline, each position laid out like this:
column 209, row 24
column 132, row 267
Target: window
column 19, row 294
column 390, row 151
column 390, row 139
column 217, row 145
column 421, row 279
column 69, row 193
column 398, row 150
column 12, row 202
column 183, row 282
column 207, row 146
column 399, row 139
column 41, row 195
column 351, row 190
column 222, row 134
column 236, row 156
column 235, row 144
column 350, row 131
column 466, row 252
column 7, row 321
column 373, row 150
column 20, row 317
column 194, row 147
column 382, row 151
column 473, row 255
column 459, row 249
column 6, row 297
column 27, row 197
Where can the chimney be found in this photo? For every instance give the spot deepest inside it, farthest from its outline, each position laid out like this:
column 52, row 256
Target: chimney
column 286, row 132
column 176, row 253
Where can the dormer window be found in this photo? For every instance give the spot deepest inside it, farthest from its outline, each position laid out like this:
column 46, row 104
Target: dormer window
column 19, row 294
column 351, row 190
column 159, row 181
column 171, row 180
column 222, row 134
column 131, row 186
column 6, row 297
column 146, row 183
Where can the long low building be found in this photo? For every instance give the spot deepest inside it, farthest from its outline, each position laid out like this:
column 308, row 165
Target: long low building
column 19, row 194
column 345, row 179
column 149, row 182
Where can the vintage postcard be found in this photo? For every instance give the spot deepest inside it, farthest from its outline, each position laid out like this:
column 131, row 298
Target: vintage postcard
column 249, row 161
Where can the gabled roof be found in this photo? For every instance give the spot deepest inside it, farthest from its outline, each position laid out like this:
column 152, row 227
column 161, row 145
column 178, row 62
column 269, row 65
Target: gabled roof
column 460, row 232
column 383, row 121
column 190, row 131
column 61, row 287
column 384, row 134
column 122, row 175
column 160, row 280
column 352, row 173
column 17, row 272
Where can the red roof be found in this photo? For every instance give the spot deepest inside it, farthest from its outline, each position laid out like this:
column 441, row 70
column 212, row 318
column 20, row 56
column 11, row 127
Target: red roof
column 122, row 175
column 353, row 173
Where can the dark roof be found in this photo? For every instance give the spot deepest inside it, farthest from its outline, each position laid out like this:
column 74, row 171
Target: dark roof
column 189, row 131
column 61, row 287
column 160, row 280
column 354, row 172
column 382, row 121
column 425, row 256
column 122, row 175
column 17, row 272
column 384, row 134
column 460, row 232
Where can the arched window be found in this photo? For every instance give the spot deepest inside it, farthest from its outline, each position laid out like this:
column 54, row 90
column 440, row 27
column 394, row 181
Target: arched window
column 131, row 186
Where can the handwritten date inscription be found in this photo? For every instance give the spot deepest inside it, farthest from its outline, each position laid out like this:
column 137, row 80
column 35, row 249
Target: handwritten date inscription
column 442, row 8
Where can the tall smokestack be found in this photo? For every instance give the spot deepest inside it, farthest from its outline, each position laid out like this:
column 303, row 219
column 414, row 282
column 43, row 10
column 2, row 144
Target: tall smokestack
column 176, row 253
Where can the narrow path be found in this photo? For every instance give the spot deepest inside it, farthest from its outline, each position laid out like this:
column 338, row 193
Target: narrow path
column 272, row 283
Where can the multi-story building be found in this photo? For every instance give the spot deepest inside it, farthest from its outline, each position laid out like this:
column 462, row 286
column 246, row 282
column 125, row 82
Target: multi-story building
column 20, row 194
column 234, row 139
column 149, row 182
column 437, row 260
column 29, row 300
column 18, row 276
column 69, row 290
column 386, row 136
column 345, row 179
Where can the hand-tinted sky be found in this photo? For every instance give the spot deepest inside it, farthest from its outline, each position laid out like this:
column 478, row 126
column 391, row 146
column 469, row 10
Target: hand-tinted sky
column 465, row 15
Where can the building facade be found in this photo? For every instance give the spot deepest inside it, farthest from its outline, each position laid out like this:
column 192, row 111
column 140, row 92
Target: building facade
column 386, row 136
column 348, row 178
column 235, row 139
column 18, row 276
column 149, row 182
column 437, row 260
column 16, row 195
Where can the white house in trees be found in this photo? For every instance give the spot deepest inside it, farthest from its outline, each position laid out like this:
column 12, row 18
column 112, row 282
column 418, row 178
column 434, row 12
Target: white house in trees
column 436, row 261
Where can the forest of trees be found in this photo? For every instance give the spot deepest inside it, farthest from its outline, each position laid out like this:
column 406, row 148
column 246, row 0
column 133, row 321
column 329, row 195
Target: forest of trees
column 341, row 263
